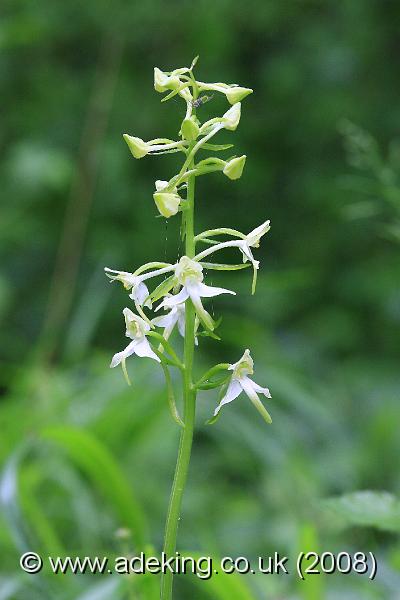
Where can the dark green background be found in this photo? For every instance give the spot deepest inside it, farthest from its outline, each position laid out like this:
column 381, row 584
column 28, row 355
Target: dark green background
column 323, row 327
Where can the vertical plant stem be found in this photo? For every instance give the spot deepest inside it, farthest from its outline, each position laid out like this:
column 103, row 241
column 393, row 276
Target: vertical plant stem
column 189, row 395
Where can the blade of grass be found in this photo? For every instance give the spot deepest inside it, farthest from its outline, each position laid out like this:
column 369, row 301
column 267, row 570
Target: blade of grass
column 90, row 455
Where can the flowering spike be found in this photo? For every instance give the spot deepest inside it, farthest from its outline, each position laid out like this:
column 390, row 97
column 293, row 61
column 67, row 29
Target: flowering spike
column 183, row 292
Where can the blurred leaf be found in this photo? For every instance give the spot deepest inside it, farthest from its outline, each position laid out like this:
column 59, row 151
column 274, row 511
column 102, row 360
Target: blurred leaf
column 95, row 460
column 366, row 509
column 113, row 588
column 312, row 588
column 222, row 586
column 9, row 588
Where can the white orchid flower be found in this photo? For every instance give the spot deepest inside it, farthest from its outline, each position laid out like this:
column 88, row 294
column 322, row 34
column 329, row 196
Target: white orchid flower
column 136, row 330
column 251, row 240
column 139, row 293
column 241, row 382
column 176, row 316
column 189, row 274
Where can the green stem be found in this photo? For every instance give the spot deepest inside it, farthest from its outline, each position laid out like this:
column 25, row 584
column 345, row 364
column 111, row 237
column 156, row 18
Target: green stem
column 189, row 394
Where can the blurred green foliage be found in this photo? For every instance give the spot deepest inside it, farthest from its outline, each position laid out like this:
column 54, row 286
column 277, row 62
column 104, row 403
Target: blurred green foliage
column 77, row 446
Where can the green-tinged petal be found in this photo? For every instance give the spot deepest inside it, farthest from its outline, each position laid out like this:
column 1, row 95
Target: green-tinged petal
column 163, row 288
column 232, row 117
column 255, row 272
column 203, row 315
column 249, row 387
column 261, row 409
column 176, row 91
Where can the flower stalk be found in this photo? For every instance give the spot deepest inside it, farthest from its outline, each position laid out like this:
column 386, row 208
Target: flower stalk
column 189, row 398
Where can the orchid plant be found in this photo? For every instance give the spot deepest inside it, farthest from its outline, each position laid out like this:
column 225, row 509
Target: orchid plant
column 182, row 292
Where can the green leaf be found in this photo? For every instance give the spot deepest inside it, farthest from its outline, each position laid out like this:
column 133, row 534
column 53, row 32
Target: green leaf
column 34, row 513
column 311, row 588
column 90, row 455
column 366, row 509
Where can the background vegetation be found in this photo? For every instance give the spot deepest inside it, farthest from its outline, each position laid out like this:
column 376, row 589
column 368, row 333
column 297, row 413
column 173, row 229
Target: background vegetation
column 78, row 447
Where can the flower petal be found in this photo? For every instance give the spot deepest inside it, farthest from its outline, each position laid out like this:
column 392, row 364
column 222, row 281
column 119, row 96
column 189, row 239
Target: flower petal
column 165, row 320
column 174, row 300
column 261, row 390
column 253, row 238
column 168, row 322
column 247, row 253
column 249, row 387
column 181, row 322
column 143, row 349
column 120, row 356
column 140, row 293
column 203, row 315
column 208, row 291
column 233, row 391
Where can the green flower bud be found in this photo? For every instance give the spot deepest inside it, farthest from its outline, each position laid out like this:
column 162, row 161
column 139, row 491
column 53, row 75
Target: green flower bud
column 232, row 117
column 166, row 202
column 137, row 146
column 236, row 93
column 163, row 82
column 234, row 167
column 190, row 129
